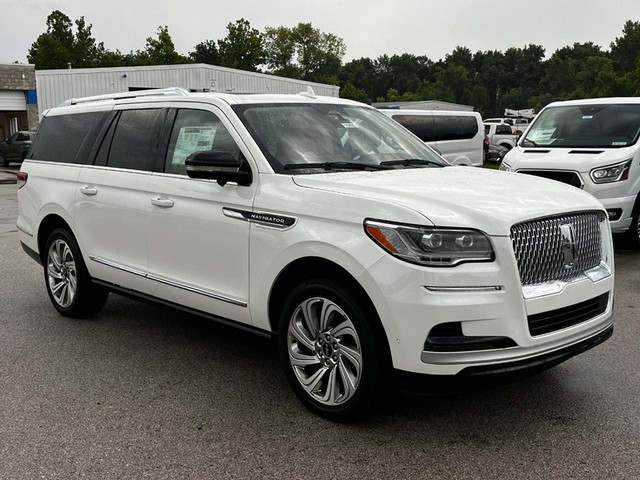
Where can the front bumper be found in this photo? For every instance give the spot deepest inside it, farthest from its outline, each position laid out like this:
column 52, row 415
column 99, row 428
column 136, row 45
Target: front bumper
column 482, row 376
column 487, row 302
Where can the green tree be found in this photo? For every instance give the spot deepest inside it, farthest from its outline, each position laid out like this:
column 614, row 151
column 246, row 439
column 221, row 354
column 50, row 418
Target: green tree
column 280, row 52
column 55, row 47
column 304, row 52
column 160, row 51
column 625, row 50
column 206, row 52
column 242, row 48
column 353, row 93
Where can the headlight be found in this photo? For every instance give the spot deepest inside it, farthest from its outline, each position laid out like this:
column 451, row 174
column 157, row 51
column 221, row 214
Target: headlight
column 505, row 167
column 430, row 246
column 612, row 173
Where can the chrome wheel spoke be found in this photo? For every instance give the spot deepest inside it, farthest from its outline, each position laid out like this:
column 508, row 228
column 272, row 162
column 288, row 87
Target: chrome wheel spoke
column 332, row 391
column 311, row 383
column 300, row 359
column 348, row 380
column 56, row 290
column 352, row 356
column 301, row 335
column 344, row 329
column 53, row 272
column 328, row 309
column 310, row 318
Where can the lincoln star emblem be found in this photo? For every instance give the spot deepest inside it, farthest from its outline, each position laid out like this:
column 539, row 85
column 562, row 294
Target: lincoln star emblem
column 568, row 244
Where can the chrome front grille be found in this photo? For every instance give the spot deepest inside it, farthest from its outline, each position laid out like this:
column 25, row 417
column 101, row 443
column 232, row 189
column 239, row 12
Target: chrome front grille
column 546, row 253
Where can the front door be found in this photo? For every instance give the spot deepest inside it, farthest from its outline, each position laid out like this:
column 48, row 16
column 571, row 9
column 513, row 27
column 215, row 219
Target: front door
column 199, row 256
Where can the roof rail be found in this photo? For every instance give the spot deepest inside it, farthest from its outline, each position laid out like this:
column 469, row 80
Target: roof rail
column 172, row 91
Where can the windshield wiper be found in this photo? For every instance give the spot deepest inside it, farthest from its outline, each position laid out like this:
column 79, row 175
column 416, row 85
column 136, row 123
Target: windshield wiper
column 534, row 144
column 412, row 161
column 335, row 166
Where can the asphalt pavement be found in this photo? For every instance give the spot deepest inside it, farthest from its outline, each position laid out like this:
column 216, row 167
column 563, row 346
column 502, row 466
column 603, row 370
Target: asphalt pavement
column 146, row 392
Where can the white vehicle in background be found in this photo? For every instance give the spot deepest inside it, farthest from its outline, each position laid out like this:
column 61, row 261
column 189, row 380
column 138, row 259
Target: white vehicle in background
column 501, row 135
column 456, row 135
column 519, row 120
column 591, row 144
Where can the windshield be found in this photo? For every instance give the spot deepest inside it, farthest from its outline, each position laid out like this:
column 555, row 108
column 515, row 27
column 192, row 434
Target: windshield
column 307, row 138
column 585, row 126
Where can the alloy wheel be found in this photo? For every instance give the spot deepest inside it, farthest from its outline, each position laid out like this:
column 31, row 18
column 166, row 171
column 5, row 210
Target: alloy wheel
column 61, row 273
column 324, row 351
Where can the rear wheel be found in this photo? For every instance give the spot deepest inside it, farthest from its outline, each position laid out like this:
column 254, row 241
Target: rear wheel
column 68, row 282
column 330, row 354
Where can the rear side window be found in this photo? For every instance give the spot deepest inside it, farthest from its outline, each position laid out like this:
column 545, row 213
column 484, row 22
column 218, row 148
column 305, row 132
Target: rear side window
column 132, row 140
column 437, row 128
column 61, row 137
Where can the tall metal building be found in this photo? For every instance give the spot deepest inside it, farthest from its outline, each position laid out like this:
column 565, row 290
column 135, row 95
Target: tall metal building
column 55, row 86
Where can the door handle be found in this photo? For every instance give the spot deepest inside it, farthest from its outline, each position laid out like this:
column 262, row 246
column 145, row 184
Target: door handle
column 88, row 190
column 163, row 202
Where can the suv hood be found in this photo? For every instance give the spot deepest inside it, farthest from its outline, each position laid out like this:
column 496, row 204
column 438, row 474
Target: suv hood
column 487, row 200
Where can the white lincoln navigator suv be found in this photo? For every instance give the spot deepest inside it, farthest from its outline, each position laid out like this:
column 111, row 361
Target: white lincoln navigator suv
column 319, row 221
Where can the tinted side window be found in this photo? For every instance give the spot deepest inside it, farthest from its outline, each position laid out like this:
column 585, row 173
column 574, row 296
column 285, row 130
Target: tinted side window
column 60, row 137
column 422, row 126
column 455, row 127
column 135, row 140
column 196, row 131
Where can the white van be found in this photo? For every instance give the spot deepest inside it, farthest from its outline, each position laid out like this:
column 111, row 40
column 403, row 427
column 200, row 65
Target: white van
column 457, row 136
column 591, row 144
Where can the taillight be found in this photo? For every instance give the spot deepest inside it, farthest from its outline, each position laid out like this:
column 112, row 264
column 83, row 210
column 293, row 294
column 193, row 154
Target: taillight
column 22, row 179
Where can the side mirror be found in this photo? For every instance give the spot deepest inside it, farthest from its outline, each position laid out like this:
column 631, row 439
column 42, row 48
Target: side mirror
column 220, row 166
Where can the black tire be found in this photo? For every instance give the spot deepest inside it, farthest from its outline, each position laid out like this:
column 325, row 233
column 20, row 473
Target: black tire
column 3, row 161
column 633, row 234
column 67, row 280
column 349, row 358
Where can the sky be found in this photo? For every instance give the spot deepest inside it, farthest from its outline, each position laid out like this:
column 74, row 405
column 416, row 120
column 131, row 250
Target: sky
column 369, row 28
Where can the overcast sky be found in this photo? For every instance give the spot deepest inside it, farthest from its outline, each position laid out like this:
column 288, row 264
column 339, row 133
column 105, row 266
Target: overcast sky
column 370, row 28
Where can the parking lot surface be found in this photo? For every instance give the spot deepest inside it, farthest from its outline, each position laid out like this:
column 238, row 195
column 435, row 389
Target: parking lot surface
column 145, row 392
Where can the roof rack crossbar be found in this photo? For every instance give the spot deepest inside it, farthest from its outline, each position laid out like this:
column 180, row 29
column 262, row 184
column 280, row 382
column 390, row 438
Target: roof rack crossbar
column 172, row 91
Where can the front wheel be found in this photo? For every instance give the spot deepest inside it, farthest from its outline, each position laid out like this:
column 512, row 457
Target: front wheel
column 331, row 356
column 3, row 161
column 68, row 282
column 633, row 234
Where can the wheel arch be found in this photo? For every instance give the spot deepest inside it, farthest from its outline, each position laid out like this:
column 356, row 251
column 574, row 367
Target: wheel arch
column 47, row 225
column 299, row 270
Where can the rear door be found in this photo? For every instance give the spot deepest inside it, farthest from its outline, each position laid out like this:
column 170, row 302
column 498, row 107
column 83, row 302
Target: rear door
column 111, row 197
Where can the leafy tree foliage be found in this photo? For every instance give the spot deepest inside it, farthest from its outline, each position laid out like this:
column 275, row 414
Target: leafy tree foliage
column 60, row 46
column 242, row 47
column 206, row 52
column 161, row 50
column 304, row 52
column 490, row 81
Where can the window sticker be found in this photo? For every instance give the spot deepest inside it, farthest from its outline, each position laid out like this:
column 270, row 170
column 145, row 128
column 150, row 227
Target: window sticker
column 619, row 144
column 192, row 139
column 542, row 136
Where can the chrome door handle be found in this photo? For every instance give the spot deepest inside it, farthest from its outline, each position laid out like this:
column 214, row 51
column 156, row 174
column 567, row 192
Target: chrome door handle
column 88, row 190
column 163, row 202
